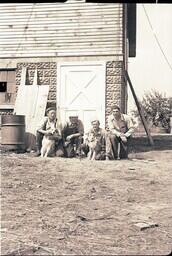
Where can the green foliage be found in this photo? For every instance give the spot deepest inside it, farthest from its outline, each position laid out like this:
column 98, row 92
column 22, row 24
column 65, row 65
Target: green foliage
column 156, row 108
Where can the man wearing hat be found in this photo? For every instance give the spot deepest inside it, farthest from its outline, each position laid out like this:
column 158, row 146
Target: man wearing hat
column 96, row 136
column 121, row 127
column 72, row 134
column 49, row 123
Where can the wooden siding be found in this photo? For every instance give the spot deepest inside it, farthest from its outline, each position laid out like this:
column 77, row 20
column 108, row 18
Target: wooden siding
column 60, row 29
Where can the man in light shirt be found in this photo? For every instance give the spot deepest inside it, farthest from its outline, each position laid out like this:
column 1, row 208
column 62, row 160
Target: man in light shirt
column 49, row 122
column 121, row 127
column 96, row 135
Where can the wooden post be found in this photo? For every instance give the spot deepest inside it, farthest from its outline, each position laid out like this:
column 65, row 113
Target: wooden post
column 139, row 110
column 171, row 124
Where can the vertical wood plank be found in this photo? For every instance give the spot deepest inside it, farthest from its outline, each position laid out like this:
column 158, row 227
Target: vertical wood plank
column 3, row 76
column 31, row 101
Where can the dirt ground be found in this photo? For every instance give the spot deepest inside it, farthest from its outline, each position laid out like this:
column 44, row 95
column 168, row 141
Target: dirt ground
column 59, row 206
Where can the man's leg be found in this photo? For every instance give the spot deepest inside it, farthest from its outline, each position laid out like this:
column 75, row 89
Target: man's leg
column 123, row 149
column 111, row 146
column 100, row 156
column 78, row 142
column 85, row 148
column 39, row 137
column 69, row 149
column 59, row 148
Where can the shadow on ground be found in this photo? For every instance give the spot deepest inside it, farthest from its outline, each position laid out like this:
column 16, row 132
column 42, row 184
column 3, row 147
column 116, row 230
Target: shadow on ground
column 140, row 143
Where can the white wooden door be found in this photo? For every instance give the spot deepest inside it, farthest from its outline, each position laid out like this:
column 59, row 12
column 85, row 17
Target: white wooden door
column 81, row 89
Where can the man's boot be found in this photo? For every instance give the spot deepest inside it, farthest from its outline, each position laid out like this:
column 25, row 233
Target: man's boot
column 39, row 138
column 37, row 153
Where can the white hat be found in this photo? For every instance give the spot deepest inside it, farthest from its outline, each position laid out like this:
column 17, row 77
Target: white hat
column 94, row 118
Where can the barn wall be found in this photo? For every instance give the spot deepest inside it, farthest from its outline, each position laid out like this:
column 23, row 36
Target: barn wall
column 60, row 29
column 43, row 34
column 47, row 74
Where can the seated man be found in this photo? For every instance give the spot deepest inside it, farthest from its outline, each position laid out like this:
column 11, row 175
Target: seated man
column 121, row 127
column 95, row 141
column 49, row 122
column 72, row 134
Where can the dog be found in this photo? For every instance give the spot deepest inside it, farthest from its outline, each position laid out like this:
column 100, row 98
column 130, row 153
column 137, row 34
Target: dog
column 48, row 145
column 94, row 147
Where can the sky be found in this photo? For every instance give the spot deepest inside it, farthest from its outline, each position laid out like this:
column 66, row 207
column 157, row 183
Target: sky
column 149, row 69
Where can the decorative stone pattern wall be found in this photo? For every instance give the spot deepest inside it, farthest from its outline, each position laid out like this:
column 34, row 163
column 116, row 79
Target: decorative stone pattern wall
column 115, row 86
column 47, row 75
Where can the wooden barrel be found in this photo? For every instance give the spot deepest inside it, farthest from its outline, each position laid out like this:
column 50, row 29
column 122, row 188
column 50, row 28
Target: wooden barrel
column 13, row 132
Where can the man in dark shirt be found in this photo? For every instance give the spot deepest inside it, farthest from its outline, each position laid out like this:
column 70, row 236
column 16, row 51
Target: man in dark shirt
column 72, row 134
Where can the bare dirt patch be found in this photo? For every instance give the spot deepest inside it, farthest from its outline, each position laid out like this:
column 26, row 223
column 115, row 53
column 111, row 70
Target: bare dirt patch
column 61, row 206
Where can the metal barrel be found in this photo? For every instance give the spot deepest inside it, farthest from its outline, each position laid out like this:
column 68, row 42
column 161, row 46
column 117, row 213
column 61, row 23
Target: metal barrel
column 13, row 132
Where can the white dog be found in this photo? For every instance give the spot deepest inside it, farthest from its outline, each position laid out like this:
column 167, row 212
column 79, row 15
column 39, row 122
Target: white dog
column 94, row 147
column 48, row 145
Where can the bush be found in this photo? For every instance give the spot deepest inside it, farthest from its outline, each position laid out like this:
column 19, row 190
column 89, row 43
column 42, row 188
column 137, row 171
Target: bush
column 157, row 109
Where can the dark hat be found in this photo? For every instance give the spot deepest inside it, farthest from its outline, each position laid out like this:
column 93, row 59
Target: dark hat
column 49, row 109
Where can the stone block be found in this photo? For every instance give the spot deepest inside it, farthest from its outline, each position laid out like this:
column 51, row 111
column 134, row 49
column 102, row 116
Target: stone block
column 40, row 72
column 31, row 65
column 113, row 71
column 18, row 73
column 31, row 73
column 52, row 88
column 43, row 65
column 51, row 96
column 53, row 72
column 109, row 64
column 47, row 73
column 18, row 80
column 53, row 81
column 53, row 65
column 46, row 81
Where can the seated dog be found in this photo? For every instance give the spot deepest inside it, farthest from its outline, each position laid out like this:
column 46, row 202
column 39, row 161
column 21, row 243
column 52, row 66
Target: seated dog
column 94, row 147
column 48, row 144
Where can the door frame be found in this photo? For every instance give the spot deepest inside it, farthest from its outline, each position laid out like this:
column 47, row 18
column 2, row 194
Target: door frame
column 79, row 63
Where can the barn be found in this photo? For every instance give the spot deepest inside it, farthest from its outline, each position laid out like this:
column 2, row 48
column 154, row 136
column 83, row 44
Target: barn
column 80, row 49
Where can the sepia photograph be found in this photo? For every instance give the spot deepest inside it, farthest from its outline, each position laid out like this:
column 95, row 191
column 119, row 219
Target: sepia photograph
column 85, row 128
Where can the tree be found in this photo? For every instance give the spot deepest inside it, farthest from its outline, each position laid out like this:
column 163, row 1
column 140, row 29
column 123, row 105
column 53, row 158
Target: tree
column 157, row 109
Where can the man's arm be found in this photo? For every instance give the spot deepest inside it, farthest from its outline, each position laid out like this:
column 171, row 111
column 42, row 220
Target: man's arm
column 111, row 127
column 80, row 128
column 131, row 126
column 42, row 127
column 80, row 131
